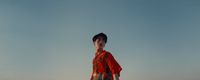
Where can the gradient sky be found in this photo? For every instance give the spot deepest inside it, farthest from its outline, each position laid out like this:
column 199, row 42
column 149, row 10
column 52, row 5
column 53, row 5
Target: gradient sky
column 52, row 39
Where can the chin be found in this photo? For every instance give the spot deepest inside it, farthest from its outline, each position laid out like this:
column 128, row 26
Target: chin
column 100, row 48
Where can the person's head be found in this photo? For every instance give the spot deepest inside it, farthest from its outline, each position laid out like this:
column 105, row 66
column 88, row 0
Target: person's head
column 99, row 40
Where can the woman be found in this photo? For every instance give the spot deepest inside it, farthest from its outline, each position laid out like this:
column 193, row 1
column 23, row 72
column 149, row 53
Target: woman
column 105, row 67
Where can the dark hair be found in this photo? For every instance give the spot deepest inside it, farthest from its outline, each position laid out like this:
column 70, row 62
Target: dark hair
column 100, row 35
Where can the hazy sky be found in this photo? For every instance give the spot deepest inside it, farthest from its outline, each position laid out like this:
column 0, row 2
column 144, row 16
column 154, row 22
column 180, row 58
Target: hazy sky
column 52, row 39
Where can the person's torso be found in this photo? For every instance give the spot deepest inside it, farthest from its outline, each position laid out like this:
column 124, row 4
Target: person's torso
column 101, row 69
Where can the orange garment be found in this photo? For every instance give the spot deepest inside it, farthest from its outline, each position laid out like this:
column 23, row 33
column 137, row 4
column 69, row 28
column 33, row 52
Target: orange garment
column 104, row 65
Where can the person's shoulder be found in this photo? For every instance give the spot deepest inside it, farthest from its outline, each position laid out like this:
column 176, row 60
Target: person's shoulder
column 107, row 53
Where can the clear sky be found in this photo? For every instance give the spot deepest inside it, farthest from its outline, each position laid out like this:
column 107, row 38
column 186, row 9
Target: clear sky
column 52, row 39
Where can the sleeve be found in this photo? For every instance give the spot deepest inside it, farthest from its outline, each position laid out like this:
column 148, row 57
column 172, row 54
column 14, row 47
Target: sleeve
column 115, row 68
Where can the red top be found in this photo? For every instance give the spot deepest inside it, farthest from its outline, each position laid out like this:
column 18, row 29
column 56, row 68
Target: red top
column 104, row 62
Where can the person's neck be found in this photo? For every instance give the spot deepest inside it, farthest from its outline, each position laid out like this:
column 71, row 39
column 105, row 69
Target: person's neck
column 98, row 51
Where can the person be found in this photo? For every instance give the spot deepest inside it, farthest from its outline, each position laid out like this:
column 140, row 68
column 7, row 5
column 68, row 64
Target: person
column 105, row 66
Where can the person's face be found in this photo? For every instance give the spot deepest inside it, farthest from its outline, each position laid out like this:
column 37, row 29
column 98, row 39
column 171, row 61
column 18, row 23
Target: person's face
column 99, row 43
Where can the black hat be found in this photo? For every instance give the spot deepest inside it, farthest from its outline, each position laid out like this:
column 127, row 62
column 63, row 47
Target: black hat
column 100, row 35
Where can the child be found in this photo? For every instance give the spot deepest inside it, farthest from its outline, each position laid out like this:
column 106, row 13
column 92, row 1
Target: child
column 105, row 67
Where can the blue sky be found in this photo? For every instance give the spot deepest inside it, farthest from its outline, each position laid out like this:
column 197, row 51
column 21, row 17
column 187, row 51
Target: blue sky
column 52, row 39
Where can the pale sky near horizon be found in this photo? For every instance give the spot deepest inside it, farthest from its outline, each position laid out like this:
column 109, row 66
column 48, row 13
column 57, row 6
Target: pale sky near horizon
column 52, row 39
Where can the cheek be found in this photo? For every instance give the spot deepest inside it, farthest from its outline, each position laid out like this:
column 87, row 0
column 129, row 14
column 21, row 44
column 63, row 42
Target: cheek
column 103, row 44
column 96, row 45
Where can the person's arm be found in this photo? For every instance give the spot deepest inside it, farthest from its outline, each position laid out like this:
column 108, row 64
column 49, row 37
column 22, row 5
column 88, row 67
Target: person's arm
column 116, row 76
column 115, row 68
